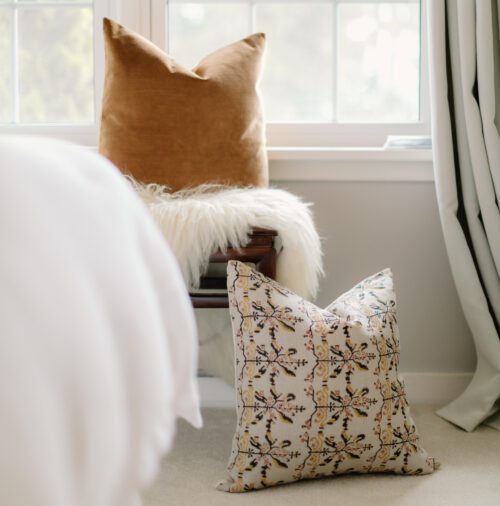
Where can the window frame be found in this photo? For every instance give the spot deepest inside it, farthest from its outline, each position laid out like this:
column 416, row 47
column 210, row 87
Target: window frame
column 81, row 133
column 333, row 135
column 147, row 17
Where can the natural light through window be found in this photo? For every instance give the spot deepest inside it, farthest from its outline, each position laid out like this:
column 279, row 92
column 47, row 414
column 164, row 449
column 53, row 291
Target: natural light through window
column 46, row 62
column 337, row 72
column 327, row 60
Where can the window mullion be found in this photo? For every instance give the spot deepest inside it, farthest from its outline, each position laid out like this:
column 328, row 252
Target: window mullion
column 252, row 16
column 335, row 61
column 424, row 105
column 167, row 36
column 15, row 66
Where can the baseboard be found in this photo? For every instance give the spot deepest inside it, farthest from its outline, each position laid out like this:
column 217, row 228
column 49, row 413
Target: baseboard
column 422, row 388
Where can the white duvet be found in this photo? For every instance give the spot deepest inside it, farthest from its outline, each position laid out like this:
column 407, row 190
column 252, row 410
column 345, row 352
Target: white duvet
column 97, row 337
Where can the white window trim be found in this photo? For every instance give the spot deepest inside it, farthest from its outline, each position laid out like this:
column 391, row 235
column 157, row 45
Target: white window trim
column 330, row 135
column 351, row 164
column 85, row 134
column 286, row 141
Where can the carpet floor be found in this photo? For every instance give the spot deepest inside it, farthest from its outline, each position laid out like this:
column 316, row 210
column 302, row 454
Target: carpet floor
column 469, row 473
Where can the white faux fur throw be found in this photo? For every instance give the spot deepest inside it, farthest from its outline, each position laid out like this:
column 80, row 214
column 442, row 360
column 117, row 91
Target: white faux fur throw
column 198, row 222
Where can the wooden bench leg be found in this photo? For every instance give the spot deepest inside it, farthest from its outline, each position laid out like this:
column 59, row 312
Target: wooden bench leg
column 260, row 251
column 268, row 264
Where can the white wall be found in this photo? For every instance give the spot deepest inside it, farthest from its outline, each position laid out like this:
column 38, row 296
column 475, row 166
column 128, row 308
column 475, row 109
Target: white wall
column 368, row 226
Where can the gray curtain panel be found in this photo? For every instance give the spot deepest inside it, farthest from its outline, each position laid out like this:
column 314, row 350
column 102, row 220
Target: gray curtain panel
column 464, row 62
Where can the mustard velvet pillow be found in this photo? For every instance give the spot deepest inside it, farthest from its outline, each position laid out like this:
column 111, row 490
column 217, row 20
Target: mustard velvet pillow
column 177, row 127
column 318, row 390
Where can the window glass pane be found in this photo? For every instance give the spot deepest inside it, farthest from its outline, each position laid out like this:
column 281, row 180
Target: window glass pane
column 56, row 65
column 297, row 82
column 378, row 62
column 5, row 66
column 196, row 29
column 298, row 76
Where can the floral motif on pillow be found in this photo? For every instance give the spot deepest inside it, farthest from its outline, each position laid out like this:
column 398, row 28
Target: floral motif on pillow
column 318, row 390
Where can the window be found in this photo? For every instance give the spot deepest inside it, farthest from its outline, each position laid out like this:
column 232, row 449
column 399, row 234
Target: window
column 327, row 60
column 46, row 62
column 338, row 72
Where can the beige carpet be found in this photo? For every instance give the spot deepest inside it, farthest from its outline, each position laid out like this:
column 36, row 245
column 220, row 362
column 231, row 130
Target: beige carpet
column 469, row 476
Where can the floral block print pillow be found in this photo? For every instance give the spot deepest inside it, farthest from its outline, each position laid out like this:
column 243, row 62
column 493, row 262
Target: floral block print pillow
column 318, row 390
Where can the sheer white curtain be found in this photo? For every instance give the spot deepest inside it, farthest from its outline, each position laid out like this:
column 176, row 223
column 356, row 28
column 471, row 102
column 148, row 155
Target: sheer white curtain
column 464, row 61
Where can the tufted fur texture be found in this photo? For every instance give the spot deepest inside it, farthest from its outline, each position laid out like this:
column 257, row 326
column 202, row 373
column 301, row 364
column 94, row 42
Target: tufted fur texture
column 199, row 221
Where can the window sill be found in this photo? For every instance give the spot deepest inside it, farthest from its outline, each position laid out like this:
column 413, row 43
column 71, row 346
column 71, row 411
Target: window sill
column 349, row 154
column 350, row 164
column 347, row 164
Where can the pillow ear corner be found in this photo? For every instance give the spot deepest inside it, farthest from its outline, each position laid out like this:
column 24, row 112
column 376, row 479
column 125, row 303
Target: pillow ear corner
column 388, row 272
column 232, row 265
column 257, row 40
column 108, row 26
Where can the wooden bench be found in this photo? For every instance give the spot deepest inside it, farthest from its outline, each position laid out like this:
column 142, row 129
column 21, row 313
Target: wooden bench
column 259, row 251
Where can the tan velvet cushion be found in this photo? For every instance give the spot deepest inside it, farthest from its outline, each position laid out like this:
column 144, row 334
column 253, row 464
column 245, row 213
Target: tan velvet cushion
column 166, row 124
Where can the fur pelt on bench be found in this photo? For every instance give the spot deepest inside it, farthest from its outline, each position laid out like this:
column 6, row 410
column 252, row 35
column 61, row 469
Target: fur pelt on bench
column 200, row 221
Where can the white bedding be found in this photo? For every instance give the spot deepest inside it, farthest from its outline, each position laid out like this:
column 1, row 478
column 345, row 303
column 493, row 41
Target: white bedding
column 97, row 336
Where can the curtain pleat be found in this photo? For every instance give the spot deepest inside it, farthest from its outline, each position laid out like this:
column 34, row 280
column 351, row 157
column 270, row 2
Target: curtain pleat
column 464, row 73
column 484, row 143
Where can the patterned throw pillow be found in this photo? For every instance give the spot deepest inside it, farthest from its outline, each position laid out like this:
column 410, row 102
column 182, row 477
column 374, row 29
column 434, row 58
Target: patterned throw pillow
column 318, row 390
